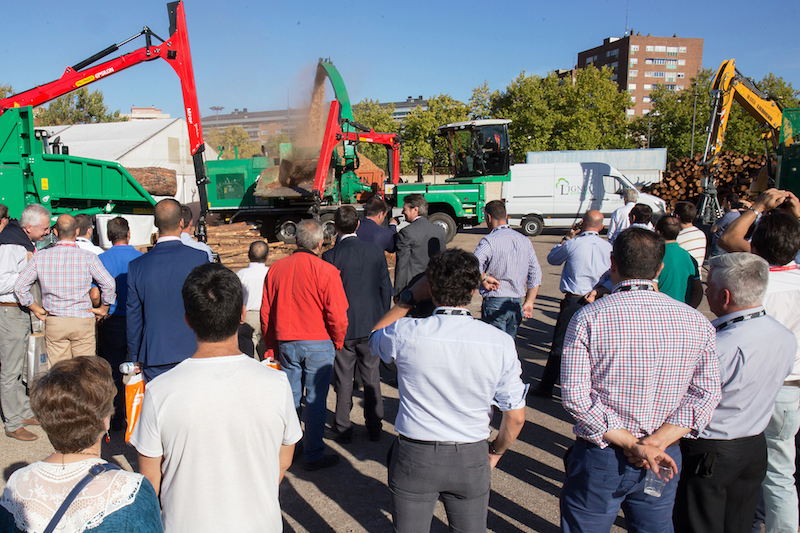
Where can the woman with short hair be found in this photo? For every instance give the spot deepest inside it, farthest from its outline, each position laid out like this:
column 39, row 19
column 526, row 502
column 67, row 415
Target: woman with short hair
column 74, row 402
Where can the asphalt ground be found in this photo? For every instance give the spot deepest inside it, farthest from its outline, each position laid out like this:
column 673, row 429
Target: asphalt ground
column 353, row 496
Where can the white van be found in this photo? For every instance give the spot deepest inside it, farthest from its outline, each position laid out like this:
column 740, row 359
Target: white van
column 558, row 194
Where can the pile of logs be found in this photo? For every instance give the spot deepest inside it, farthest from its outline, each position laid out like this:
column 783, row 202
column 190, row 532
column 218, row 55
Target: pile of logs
column 682, row 180
column 232, row 242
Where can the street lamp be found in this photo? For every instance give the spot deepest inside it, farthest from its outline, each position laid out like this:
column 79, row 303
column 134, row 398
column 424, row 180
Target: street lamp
column 419, row 161
column 216, row 109
column 694, row 115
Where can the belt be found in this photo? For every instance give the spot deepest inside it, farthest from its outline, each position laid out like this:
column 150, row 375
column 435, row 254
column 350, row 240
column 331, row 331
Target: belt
column 5, row 304
column 434, row 442
column 573, row 295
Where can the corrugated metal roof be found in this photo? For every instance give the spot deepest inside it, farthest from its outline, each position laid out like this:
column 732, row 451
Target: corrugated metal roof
column 108, row 141
column 642, row 159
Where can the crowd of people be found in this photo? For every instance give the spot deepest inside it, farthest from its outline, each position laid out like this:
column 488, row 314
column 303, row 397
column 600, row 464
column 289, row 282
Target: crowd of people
column 658, row 392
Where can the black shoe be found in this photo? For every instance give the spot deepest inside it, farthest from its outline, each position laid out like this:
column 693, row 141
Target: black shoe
column 542, row 392
column 375, row 433
column 342, row 437
column 325, row 462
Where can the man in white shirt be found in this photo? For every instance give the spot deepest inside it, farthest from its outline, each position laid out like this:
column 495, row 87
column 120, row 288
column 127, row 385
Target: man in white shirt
column 252, row 279
column 217, row 432
column 620, row 218
column 186, row 233
column 85, row 232
column 691, row 238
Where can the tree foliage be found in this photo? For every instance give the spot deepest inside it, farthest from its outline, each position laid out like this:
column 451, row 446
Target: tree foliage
column 78, row 107
column 369, row 113
column 233, row 139
column 419, row 129
column 273, row 144
column 6, row 90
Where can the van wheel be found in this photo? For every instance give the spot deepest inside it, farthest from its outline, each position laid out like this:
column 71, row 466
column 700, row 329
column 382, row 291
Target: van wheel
column 445, row 221
column 532, row 226
column 286, row 230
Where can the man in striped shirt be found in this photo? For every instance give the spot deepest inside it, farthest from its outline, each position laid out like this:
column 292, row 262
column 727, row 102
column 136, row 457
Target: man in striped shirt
column 639, row 371
column 508, row 265
column 691, row 238
column 65, row 273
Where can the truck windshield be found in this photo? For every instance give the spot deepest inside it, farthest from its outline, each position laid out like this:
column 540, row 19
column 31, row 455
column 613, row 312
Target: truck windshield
column 479, row 152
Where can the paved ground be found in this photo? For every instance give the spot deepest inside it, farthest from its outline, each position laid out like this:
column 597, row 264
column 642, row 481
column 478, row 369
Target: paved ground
column 353, row 496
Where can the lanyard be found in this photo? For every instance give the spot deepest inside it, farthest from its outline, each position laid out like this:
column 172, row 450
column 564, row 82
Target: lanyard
column 638, row 287
column 462, row 312
column 740, row 319
column 783, row 268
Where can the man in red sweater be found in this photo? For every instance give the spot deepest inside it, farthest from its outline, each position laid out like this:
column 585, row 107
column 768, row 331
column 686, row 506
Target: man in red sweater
column 303, row 319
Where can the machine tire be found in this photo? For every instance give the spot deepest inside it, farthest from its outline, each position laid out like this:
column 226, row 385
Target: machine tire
column 328, row 227
column 446, row 221
column 286, row 229
column 532, row 226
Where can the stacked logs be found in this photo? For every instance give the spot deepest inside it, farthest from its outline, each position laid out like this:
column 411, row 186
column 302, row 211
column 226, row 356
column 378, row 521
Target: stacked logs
column 232, row 242
column 683, row 178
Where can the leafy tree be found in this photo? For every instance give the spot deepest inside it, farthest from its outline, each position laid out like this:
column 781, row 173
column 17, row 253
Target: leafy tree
column 233, row 137
column 419, row 128
column 369, row 113
column 5, row 90
column 78, row 107
column 480, row 104
column 273, row 144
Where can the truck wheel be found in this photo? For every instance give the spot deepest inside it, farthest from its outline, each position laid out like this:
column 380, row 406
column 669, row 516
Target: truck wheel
column 286, row 230
column 445, row 221
column 328, row 227
column 532, row 226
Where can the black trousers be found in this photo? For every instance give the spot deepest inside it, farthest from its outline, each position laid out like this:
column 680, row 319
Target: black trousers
column 719, row 486
column 112, row 345
column 552, row 371
column 355, row 352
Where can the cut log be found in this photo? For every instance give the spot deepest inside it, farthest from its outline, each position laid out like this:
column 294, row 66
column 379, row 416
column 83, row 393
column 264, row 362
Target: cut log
column 155, row 180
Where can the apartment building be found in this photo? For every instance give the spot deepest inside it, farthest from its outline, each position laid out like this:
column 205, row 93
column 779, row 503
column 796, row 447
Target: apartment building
column 641, row 62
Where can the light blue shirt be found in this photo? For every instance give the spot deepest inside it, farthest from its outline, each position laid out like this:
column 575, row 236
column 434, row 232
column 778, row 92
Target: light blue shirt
column 451, row 369
column 508, row 256
column 587, row 257
column 755, row 357
column 188, row 241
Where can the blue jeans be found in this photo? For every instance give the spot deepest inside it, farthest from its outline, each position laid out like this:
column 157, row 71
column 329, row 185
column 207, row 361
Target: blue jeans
column 309, row 364
column 503, row 313
column 780, row 495
column 601, row 481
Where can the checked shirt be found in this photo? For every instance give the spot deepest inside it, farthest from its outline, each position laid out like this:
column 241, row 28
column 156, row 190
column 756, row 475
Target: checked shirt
column 65, row 273
column 638, row 359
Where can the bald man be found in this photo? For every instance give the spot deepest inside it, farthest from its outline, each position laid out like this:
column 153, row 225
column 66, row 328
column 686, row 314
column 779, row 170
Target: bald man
column 585, row 256
column 65, row 273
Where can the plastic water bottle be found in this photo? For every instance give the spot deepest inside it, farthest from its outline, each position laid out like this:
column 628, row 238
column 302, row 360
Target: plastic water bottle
column 130, row 368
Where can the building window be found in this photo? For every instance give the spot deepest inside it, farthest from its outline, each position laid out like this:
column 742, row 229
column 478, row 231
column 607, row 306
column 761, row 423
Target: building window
column 634, row 48
column 670, row 77
column 264, row 133
column 670, row 87
column 661, row 48
column 648, row 74
column 633, row 73
column 647, row 86
column 681, row 62
column 634, row 61
column 645, row 111
column 658, row 74
column 680, row 75
column 649, row 48
column 613, row 53
column 631, row 112
column 682, row 49
column 614, row 77
column 631, row 86
column 648, row 61
column 645, row 99
column 659, row 61
column 680, row 87
column 633, row 99
column 591, row 59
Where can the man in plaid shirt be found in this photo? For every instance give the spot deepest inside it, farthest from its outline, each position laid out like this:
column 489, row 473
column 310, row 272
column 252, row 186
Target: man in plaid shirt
column 65, row 273
column 639, row 371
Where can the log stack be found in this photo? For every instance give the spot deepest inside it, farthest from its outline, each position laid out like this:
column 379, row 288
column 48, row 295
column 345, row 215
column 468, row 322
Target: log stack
column 232, row 242
column 682, row 180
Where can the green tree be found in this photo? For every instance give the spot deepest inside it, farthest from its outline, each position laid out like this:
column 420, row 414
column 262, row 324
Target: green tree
column 233, row 137
column 6, row 90
column 78, row 107
column 480, row 104
column 419, row 128
column 369, row 113
column 273, row 144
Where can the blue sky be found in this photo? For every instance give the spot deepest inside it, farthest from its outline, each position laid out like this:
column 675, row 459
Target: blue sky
column 259, row 55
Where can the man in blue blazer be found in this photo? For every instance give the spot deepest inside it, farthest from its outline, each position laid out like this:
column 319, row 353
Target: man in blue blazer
column 371, row 228
column 158, row 336
column 365, row 277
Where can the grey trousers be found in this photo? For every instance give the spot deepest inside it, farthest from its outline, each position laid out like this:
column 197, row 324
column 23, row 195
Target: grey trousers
column 458, row 474
column 356, row 352
column 15, row 327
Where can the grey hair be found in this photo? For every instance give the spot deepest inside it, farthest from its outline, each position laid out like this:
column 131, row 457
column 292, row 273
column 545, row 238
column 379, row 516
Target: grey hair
column 309, row 234
column 745, row 275
column 32, row 215
column 630, row 195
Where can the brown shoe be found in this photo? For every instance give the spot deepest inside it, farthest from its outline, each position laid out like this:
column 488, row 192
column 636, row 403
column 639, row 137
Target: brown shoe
column 21, row 434
column 31, row 422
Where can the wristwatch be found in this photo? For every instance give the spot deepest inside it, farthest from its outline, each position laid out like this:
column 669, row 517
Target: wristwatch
column 492, row 450
column 407, row 297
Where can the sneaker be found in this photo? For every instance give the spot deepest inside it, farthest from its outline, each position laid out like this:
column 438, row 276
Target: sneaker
column 325, row 462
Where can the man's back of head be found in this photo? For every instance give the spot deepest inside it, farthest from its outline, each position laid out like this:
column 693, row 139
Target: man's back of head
column 213, row 299
column 777, row 238
column 258, row 253
column 453, row 276
column 630, row 195
column 744, row 275
column 186, row 217
column 66, row 227
column 117, row 230
column 669, row 227
column 732, row 199
column 84, row 223
column 418, row 201
column 592, row 221
column 637, row 254
column 346, row 219
column 686, row 213
column 375, row 207
column 641, row 214
column 167, row 215
column 309, row 235
column 496, row 209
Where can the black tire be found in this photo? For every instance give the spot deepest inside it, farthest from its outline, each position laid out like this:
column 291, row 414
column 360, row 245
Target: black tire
column 532, row 226
column 445, row 221
column 328, row 227
column 286, row 230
